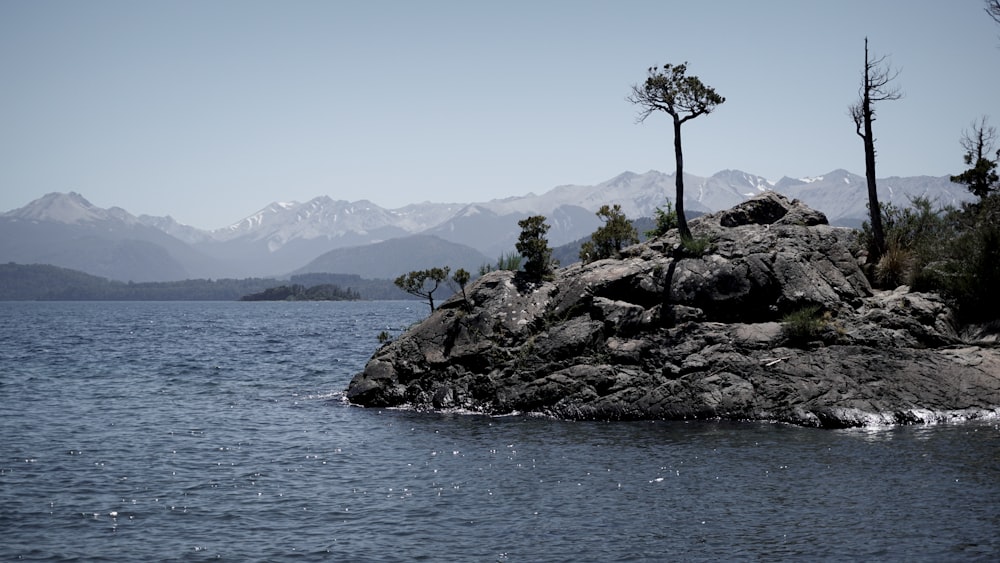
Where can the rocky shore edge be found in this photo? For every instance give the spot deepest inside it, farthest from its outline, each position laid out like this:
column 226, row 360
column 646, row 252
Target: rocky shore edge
column 774, row 321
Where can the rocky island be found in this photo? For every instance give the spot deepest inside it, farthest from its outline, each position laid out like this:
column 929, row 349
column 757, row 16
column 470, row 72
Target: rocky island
column 775, row 320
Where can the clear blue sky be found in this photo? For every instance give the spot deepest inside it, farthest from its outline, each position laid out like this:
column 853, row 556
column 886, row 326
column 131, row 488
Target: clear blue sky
column 210, row 110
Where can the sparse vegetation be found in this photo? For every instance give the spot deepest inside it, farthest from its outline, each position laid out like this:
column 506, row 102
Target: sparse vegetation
column 510, row 261
column 461, row 277
column 804, row 325
column 914, row 237
column 298, row 292
column 44, row 282
column 692, row 246
column 423, row 283
column 607, row 241
column 666, row 219
column 894, row 267
column 954, row 252
column 979, row 143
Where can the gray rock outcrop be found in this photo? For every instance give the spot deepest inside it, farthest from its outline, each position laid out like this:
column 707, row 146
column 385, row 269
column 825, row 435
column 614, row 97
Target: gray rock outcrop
column 667, row 332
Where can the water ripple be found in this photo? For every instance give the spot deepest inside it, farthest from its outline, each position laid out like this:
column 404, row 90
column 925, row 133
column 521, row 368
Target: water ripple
column 201, row 431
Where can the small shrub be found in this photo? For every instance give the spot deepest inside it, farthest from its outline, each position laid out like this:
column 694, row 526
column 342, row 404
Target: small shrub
column 915, row 237
column 804, row 325
column 609, row 239
column 666, row 219
column 895, row 267
column 695, row 247
column 509, row 261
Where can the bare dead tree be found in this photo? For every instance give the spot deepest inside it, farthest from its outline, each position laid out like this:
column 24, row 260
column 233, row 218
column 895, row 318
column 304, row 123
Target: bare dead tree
column 993, row 9
column 979, row 142
column 667, row 89
column 980, row 138
column 875, row 87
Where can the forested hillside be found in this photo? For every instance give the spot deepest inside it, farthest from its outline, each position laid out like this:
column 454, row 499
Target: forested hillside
column 45, row 282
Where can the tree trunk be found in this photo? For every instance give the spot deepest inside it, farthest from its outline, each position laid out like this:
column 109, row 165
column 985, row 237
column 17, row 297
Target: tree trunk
column 682, row 225
column 874, row 209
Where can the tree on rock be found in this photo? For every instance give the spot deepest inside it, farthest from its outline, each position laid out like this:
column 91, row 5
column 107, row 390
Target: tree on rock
column 979, row 142
column 533, row 245
column 607, row 241
column 874, row 88
column 462, row 277
column 683, row 98
column 423, row 283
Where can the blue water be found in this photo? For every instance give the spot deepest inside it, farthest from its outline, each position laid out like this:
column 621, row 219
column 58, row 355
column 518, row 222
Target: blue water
column 204, row 431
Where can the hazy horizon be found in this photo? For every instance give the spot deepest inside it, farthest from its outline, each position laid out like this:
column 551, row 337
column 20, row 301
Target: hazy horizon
column 184, row 108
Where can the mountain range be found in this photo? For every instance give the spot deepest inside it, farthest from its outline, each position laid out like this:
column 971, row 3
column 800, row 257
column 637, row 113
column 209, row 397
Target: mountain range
column 359, row 237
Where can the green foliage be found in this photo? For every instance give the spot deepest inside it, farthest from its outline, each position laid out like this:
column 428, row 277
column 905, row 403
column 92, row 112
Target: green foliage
column 894, row 268
column 461, row 277
column 915, row 237
column 533, row 245
column 691, row 246
column 607, row 241
column 666, row 219
column 423, row 283
column 670, row 90
column 298, row 292
column 510, row 261
column 804, row 325
column 973, row 277
column 981, row 178
column 44, row 282
column 954, row 252
column 374, row 289
column 979, row 142
column 384, row 337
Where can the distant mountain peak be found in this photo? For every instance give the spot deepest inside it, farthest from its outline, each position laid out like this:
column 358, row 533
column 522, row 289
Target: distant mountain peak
column 622, row 179
column 68, row 208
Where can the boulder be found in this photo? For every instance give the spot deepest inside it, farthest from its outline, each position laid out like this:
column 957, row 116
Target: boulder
column 671, row 332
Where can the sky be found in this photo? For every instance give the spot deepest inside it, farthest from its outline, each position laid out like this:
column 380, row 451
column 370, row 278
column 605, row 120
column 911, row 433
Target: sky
column 208, row 111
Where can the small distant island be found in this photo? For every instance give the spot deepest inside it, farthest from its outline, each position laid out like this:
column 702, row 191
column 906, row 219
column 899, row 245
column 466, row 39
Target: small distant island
column 44, row 282
column 299, row 292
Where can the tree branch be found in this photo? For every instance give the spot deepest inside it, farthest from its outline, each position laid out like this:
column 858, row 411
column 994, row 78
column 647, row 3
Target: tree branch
column 856, row 113
column 979, row 139
column 878, row 75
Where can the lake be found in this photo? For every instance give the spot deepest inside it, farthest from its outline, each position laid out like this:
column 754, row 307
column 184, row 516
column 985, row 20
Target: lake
column 206, row 431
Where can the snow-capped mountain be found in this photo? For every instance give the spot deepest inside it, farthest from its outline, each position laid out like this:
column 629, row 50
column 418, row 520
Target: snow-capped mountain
column 324, row 217
column 71, row 209
column 285, row 235
column 843, row 196
column 67, row 230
